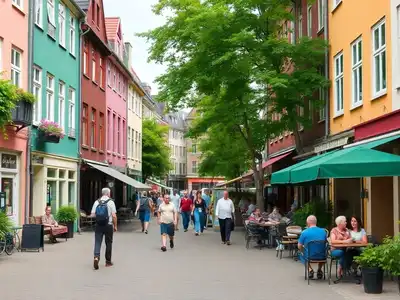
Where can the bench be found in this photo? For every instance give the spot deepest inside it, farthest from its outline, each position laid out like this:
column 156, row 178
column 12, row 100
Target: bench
column 60, row 231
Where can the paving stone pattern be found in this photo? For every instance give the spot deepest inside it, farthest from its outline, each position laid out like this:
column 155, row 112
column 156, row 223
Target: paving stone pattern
column 199, row 268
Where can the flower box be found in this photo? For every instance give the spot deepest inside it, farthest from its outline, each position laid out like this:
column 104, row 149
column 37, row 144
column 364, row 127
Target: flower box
column 49, row 138
column 50, row 131
column 22, row 113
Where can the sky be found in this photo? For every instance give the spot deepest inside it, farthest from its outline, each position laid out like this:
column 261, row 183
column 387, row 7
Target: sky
column 136, row 16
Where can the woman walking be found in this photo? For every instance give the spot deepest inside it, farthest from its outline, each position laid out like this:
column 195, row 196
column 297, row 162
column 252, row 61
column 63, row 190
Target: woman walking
column 224, row 211
column 145, row 206
column 198, row 211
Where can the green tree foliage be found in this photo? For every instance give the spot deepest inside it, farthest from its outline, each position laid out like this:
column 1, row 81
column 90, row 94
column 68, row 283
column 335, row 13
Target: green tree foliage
column 155, row 152
column 231, row 59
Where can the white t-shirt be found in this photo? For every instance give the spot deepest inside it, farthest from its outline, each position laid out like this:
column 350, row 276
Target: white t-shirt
column 111, row 208
column 224, row 209
column 167, row 212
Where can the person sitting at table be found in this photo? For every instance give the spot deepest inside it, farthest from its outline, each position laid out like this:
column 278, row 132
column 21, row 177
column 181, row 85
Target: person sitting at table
column 340, row 235
column 49, row 221
column 357, row 233
column 251, row 207
column 275, row 216
column 256, row 217
column 317, row 251
column 290, row 214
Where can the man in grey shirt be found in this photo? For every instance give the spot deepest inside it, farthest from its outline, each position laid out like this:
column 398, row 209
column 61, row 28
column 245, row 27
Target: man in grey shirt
column 106, row 224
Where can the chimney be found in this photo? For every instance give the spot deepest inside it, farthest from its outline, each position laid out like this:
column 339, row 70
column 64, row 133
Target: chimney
column 128, row 55
column 147, row 88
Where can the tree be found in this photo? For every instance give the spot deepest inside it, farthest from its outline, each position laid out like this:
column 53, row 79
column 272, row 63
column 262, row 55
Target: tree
column 155, row 152
column 231, row 60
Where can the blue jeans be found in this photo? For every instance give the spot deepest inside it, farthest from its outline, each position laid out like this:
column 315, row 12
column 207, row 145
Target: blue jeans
column 337, row 253
column 185, row 219
column 107, row 231
column 198, row 221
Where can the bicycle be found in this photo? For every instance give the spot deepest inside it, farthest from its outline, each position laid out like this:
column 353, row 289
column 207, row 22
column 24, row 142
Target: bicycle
column 9, row 243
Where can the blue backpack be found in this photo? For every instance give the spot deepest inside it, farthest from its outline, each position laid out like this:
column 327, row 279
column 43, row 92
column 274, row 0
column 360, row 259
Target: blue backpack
column 102, row 215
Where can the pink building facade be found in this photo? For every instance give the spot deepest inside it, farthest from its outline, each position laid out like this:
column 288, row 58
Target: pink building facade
column 13, row 149
column 116, row 95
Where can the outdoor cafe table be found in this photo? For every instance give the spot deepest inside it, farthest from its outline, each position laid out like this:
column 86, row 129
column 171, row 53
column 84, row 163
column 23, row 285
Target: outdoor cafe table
column 345, row 247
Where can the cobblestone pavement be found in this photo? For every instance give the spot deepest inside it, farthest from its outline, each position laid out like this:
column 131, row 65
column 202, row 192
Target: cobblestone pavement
column 199, row 268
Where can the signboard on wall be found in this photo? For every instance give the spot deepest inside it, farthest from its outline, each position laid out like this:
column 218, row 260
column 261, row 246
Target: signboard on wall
column 8, row 161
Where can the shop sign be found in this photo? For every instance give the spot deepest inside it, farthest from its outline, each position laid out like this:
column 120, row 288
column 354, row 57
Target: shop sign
column 331, row 145
column 8, row 161
column 37, row 159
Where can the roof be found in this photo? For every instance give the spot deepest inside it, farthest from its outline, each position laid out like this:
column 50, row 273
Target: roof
column 112, row 24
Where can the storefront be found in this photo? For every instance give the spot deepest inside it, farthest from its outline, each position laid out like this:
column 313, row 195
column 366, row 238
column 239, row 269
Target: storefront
column 12, row 193
column 54, row 182
column 199, row 183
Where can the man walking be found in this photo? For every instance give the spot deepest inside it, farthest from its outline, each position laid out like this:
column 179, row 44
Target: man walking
column 223, row 212
column 167, row 216
column 176, row 201
column 106, row 224
column 144, row 205
column 186, row 210
column 207, row 199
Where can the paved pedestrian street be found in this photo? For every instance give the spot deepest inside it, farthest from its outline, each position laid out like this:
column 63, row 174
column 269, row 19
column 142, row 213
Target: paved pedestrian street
column 199, row 268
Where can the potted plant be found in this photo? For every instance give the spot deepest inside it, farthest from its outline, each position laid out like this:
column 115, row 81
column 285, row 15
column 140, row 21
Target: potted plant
column 66, row 215
column 50, row 131
column 391, row 256
column 371, row 262
column 5, row 225
column 22, row 113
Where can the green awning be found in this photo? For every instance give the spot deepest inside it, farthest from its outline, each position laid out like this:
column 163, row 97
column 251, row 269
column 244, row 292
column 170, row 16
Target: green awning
column 354, row 162
column 308, row 167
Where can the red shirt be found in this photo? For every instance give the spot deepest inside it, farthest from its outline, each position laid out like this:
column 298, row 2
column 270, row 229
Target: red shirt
column 186, row 204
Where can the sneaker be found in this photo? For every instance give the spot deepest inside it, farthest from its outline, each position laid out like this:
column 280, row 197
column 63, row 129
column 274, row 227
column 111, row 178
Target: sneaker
column 320, row 274
column 228, row 243
column 223, row 243
column 109, row 264
column 171, row 244
column 185, row 230
column 146, row 232
column 96, row 263
column 163, row 249
column 311, row 274
column 196, row 234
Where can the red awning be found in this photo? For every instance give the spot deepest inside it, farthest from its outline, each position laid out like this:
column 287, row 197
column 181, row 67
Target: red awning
column 269, row 162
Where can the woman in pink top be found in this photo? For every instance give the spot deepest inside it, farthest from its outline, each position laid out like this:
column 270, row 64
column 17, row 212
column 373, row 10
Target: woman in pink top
column 340, row 235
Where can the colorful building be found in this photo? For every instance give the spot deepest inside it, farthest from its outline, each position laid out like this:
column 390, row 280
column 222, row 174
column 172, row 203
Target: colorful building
column 94, row 53
column 56, row 85
column 14, row 53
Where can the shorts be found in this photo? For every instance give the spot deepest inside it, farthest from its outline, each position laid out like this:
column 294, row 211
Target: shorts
column 167, row 229
column 144, row 216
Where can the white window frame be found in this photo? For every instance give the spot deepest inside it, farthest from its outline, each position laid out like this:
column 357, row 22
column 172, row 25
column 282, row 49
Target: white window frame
column 19, row 4
column 16, row 69
column 356, row 73
column 321, row 112
column 309, row 21
column 71, row 112
column 61, row 104
column 39, row 13
column 61, row 24
column 379, row 53
column 300, row 22
column 50, row 97
column 338, row 84
column 109, row 74
column 72, row 35
column 321, row 14
column 336, row 3
column 37, row 92
column 51, row 12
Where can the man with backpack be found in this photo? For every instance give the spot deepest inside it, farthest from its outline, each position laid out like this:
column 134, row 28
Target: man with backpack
column 106, row 224
column 144, row 205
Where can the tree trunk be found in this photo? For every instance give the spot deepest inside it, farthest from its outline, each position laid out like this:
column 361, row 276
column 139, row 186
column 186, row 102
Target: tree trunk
column 259, row 181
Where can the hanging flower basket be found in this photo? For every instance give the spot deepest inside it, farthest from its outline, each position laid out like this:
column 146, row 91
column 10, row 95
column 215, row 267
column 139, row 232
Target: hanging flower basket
column 50, row 131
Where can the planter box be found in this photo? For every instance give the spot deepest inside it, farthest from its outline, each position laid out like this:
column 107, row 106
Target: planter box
column 22, row 114
column 70, row 233
column 48, row 138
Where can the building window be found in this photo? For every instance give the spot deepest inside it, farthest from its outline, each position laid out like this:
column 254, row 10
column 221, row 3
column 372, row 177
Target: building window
column 16, row 64
column 194, row 167
column 71, row 112
column 18, row 3
column 50, row 98
column 114, row 79
column 61, row 24
column 38, row 13
column 137, row 145
column 93, row 128
column 194, row 148
column 356, row 62
column 51, row 30
column 61, row 103
column 123, row 140
column 94, row 65
column 115, row 141
column 85, row 125
column 109, row 135
column 321, row 112
column 140, row 147
column 133, row 144
column 98, row 15
column 379, row 58
column 101, row 131
column 338, row 84
column 321, row 14
column 85, row 57
column 129, row 142
column 109, row 74
column 299, row 22
column 309, row 21
column 101, row 77
column 37, row 92
column 72, row 36
column 119, row 136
